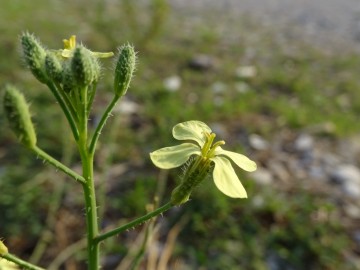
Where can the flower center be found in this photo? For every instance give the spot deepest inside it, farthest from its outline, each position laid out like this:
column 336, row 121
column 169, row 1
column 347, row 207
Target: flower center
column 208, row 150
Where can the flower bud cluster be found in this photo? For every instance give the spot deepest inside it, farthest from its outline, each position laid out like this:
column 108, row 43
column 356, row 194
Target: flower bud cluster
column 50, row 66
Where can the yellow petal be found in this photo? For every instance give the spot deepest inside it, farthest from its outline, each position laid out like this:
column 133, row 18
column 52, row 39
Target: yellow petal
column 226, row 179
column 242, row 161
column 174, row 156
column 102, row 55
column 191, row 130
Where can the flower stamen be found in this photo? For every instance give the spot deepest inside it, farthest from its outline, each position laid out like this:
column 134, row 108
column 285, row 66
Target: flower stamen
column 207, row 146
column 213, row 148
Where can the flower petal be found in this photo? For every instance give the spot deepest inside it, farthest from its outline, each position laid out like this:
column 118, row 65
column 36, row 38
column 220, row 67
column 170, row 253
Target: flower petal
column 242, row 161
column 66, row 53
column 102, row 54
column 226, row 179
column 191, row 130
column 174, row 156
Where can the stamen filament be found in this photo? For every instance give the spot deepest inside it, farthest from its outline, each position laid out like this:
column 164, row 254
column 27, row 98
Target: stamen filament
column 207, row 146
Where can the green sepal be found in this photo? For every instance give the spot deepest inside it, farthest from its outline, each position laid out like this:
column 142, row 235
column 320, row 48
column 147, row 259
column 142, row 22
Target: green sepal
column 192, row 178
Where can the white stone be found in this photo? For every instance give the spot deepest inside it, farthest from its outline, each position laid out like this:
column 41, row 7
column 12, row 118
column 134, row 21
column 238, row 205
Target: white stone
column 262, row 176
column 246, row 72
column 172, row 83
column 257, row 142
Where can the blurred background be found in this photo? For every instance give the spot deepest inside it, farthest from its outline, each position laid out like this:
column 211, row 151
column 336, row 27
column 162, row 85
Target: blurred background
column 277, row 80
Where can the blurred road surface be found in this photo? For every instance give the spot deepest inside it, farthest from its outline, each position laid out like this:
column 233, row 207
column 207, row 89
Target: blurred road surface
column 323, row 21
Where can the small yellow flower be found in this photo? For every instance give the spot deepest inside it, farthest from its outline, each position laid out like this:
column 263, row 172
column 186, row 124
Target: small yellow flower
column 202, row 145
column 70, row 45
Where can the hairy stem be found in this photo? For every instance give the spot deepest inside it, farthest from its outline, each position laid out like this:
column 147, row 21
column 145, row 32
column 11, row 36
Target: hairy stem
column 87, row 159
column 46, row 157
column 101, row 124
column 20, row 262
column 65, row 109
column 133, row 223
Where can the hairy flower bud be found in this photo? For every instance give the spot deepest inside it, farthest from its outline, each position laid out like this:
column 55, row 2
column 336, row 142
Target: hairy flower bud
column 3, row 249
column 67, row 78
column 124, row 69
column 18, row 115
column 53, row 67
column 34, row 55
column 84, row 67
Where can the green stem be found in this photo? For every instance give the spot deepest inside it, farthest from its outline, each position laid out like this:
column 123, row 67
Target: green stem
column 58, row 165
column 87, row 159
column 20, row 262
column 68, row 102
column 91, row 212
column 92, row 93
column 65, row 109
column 101, row 124
column 133, row 223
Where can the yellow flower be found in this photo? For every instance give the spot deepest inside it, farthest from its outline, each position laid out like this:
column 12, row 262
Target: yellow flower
column 70, row 45
column 202, row 145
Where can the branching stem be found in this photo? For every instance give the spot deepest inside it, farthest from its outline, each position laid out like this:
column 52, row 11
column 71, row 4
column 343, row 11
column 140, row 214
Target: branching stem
column 133, row 223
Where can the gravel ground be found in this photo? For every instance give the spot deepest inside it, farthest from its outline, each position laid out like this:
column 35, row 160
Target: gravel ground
column 334, row 23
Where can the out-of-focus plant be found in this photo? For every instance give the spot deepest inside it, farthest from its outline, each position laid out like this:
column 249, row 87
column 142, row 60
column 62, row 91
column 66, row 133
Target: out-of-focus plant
column 72, row 75
column 143, row 21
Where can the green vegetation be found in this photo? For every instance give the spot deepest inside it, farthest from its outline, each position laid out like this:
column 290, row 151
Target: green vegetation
column 292, row 89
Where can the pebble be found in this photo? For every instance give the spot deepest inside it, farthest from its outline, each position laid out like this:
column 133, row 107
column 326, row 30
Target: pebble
column 262, row 176
column 353, row 211
column 246, row 72
column 304, row 143
column 257, row 142
column 346, row 173
column 218, row 87
column 348, row 176
column 172, row 83
column 127, row 107
column 201, row 62
column 242, row 87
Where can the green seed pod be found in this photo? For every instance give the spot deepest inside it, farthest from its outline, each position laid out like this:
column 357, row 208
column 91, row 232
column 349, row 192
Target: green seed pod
column 124, row 69
column 3, row 249
column 84, row 67
column 17, row 112
column 53, row 67
column 34, row 55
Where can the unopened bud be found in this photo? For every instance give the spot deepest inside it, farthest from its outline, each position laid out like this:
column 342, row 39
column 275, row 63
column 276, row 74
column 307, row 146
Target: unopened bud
column 84, row 67
column 34, row 55
column 18, row 115
column 3, row 249
column 124, row 69
column 53, row 67
column 67, row 78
